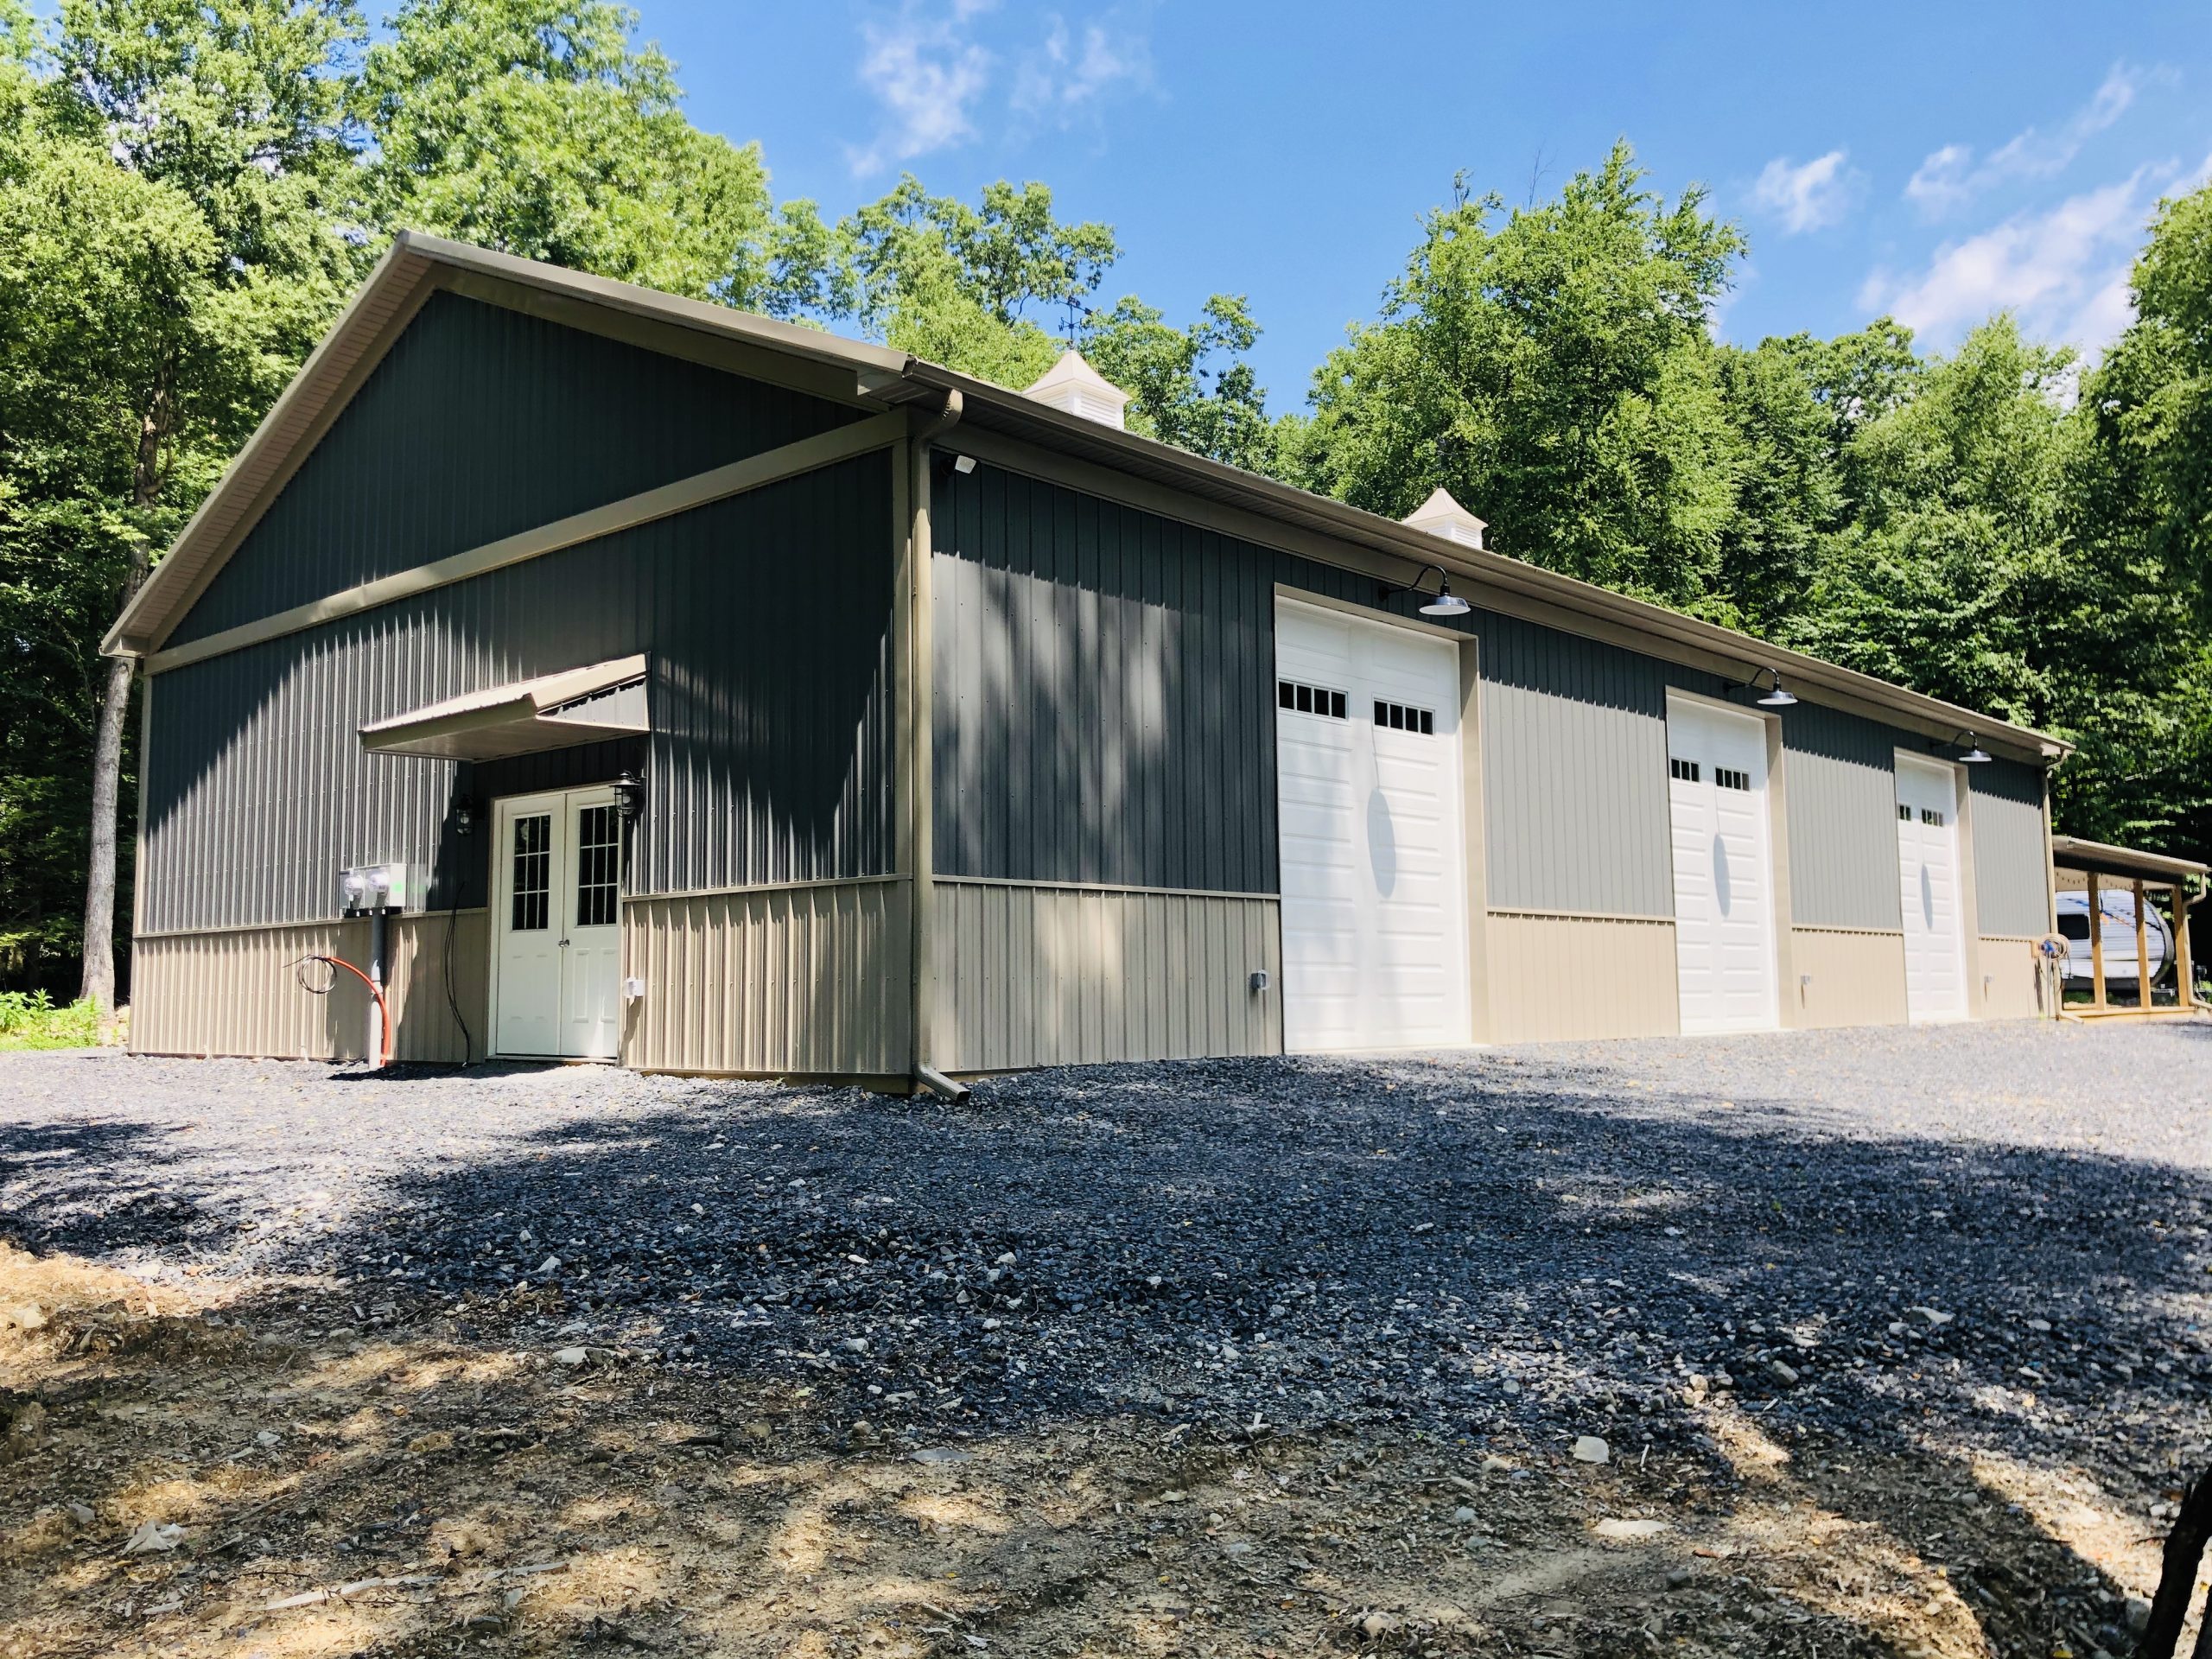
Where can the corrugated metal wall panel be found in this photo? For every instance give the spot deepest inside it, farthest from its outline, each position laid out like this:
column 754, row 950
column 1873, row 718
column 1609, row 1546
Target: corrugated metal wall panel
column 424, row 1024
column 1059, row 976
column 2010, row 985
column 768, row 620
column 1104, row 714
column 2011, row 876
column 1841, row 789
column 238, row 993
column 1574, row 772
column 1846, row 977
column 1555, row 978
column 481, row 422
column 810, row 979
column 1104, row 705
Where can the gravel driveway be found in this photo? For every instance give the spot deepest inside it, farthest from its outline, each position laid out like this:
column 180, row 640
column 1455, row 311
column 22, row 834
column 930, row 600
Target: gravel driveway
column 1998, row 1232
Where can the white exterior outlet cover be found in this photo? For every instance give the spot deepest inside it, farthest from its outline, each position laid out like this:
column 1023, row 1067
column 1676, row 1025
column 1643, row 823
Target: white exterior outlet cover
column 634, row 990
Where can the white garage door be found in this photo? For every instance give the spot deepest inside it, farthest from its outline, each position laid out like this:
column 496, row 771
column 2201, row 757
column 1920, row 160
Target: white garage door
column 1374, row 908
column 1723, row 870
column 1927, row 890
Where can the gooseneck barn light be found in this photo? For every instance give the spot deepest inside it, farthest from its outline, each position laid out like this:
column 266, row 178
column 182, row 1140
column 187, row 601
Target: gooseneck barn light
column 1442, row 602
column 1776, row 698
column 1975, row 754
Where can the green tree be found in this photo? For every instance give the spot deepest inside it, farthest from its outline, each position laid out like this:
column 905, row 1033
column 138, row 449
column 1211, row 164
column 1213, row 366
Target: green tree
column 2143, row 498
column 982, row 288
column 2152, row 398
column 1166, row 371
column 541, row 128
column 167, row 255
column 1555, row 370
column 1943, row 579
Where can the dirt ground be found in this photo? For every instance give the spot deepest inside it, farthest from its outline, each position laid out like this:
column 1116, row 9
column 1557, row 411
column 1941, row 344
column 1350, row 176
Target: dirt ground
column 240, row 1471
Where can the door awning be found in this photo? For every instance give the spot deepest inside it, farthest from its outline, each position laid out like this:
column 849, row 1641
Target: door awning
column 580, row 705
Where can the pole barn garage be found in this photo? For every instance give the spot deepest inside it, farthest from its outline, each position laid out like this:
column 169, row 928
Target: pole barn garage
column 619, row 677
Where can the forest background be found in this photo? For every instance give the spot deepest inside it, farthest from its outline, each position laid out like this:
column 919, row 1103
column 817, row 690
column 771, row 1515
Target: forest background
column 190, row 189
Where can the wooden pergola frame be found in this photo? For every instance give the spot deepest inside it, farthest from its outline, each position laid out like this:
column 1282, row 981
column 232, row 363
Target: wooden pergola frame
column 2097, row 862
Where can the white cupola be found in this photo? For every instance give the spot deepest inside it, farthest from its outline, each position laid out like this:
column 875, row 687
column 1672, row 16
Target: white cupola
column 1074, row 387
column 1441, row 516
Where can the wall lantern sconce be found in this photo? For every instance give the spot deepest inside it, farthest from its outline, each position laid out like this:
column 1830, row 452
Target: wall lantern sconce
column 464, row 816
column 1442, row 602
column 629, row 795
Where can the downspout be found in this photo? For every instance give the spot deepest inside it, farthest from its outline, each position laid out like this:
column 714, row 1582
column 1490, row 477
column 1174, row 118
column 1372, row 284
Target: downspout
column 922, row 1013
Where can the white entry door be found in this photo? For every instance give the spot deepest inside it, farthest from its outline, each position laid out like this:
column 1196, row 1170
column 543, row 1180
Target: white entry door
column 555, row 905
column 1724, row 867
column 1927, row 890
column 1373, row 854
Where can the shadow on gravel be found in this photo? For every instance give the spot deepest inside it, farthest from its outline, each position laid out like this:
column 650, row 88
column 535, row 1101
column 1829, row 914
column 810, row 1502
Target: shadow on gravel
column 100, row 1186
column 1904, row 1333
column 1308, row 1241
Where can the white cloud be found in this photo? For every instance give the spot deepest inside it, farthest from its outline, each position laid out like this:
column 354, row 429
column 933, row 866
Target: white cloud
column 1805, row 198
column 1064, row 80
column 927, row 71
column 1950, row 177
column 2062, row 270
column 934, row 74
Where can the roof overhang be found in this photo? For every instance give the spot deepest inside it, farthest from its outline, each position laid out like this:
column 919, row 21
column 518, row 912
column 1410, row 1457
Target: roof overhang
column 1489, row 580
column 869, row 375
column 581, row 705
column 2127, row 863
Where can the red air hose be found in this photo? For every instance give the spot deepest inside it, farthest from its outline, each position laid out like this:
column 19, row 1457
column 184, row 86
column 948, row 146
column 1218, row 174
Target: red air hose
column 383, row 1008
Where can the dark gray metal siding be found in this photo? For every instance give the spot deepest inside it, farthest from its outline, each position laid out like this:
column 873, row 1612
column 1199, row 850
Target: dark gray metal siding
column 481, row 422
column 1574, row 772
column 768, row 619
column 2011, row 876
column 1840, row 785
column 1103, row 692
column 1104, row 713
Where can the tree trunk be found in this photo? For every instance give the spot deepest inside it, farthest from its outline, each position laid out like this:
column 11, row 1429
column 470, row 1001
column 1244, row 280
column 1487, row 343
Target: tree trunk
column 98, row 983
column 2185, row 1543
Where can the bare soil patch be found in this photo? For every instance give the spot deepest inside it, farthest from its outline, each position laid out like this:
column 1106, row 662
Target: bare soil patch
column 406, row 1491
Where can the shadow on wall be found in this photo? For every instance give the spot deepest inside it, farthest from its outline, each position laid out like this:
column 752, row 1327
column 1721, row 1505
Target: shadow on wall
column 768, row 617
column 1104, row 711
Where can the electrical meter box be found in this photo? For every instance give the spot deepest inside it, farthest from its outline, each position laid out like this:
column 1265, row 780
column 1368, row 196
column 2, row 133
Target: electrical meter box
column 377, row 887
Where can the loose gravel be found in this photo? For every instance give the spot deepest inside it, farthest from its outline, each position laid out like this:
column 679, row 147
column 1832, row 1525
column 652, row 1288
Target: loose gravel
column 1996, row 1232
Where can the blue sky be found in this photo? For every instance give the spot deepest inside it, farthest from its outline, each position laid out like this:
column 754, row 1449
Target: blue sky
column 1935, row 161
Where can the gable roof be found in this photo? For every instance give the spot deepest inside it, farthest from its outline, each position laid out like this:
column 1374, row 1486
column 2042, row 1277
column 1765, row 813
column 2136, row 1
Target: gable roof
column 1116, row 462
